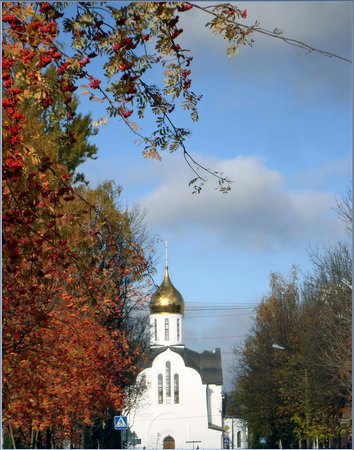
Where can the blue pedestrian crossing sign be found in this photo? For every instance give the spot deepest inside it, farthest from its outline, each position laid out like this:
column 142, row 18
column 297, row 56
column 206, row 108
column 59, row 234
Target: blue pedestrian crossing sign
column 262, row 440
column 120, row 423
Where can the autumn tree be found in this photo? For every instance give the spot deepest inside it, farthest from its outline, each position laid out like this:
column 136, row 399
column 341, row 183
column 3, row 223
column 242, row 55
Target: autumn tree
column 328, row 289
column 261, row 386
column 63, row 314
column 67, row 328
column 327, row 316
column 59, row 309
column 293, row 382
column 125, row 254
column 57, row 302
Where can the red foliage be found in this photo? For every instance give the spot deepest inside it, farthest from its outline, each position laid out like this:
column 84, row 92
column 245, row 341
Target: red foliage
column 71, row 367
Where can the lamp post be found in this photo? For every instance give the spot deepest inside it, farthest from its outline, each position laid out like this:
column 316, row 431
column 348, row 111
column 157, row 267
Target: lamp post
column 347, row 283
column 306, row 385
column 278, row 347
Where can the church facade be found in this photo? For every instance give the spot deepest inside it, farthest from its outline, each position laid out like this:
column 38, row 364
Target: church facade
column 182, row 404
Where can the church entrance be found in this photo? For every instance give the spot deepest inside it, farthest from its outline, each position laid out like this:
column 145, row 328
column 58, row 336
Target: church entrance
column 169, row 442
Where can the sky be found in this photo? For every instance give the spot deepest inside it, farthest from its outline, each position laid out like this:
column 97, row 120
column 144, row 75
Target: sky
column 275, row 120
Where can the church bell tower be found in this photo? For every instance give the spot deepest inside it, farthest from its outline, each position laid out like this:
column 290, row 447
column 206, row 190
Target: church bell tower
column 166, row 314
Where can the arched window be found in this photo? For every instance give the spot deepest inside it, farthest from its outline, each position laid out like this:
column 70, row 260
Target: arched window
column 168, row 379
column 167, row 330
column 176, row 387
column 160, row 388
column 178, row 330
column 239, row 439
column 155, row 329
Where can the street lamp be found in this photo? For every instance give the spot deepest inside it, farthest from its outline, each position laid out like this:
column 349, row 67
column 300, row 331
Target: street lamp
column 280, row 347
column 347, row 283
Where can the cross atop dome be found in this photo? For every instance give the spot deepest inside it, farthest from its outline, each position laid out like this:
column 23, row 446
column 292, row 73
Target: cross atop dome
column 166, row 255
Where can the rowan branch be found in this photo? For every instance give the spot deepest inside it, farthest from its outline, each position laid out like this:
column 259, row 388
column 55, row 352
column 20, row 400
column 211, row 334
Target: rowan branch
column 276, row 33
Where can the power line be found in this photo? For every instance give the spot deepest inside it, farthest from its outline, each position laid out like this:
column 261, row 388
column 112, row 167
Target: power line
column 223, row 307
column 222, row 337
column 203, row 316
column 207, row 304
column 195, row 310
column 218, row 309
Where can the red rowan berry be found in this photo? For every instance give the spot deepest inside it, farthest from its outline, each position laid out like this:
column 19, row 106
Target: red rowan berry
column 94, row 83
column 184, row 7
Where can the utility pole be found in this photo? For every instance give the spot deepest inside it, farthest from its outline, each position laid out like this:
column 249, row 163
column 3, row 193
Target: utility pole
column 233, row 432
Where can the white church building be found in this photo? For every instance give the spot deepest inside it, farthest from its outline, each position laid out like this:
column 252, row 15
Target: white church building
column 182, row 404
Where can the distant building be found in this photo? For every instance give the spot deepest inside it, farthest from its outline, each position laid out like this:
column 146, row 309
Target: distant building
column 182, row 405
column 235, row 433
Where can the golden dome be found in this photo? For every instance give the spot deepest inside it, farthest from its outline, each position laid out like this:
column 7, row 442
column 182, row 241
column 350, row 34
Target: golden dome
column 167, row 299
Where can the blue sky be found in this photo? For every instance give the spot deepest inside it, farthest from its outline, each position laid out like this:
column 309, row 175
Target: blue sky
column 275, row 120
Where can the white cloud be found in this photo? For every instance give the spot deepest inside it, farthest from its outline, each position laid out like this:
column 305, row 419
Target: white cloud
column 323, row 175
column 259, row 213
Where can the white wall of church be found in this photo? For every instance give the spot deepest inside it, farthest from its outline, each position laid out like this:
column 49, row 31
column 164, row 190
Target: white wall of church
column 185, row 410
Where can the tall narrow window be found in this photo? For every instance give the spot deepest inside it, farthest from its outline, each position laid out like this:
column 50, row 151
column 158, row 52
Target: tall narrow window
column 160, row 388
column 176, row 387
column 168, row 379
column 155, row 329
column 167, row 330
column 239, row 439
column 178, row 330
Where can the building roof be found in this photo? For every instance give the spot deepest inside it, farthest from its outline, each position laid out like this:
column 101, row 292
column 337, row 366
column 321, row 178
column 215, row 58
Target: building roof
column 207, row 364
column 167, row 299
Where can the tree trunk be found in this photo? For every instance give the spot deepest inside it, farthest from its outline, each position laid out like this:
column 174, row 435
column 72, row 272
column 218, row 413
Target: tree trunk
column 32, row 438
column 12, row 436
column 48, row 436
column 36, row 439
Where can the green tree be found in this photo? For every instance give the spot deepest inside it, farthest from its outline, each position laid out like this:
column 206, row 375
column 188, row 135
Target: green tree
column 261, row 379
column 71, row 137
